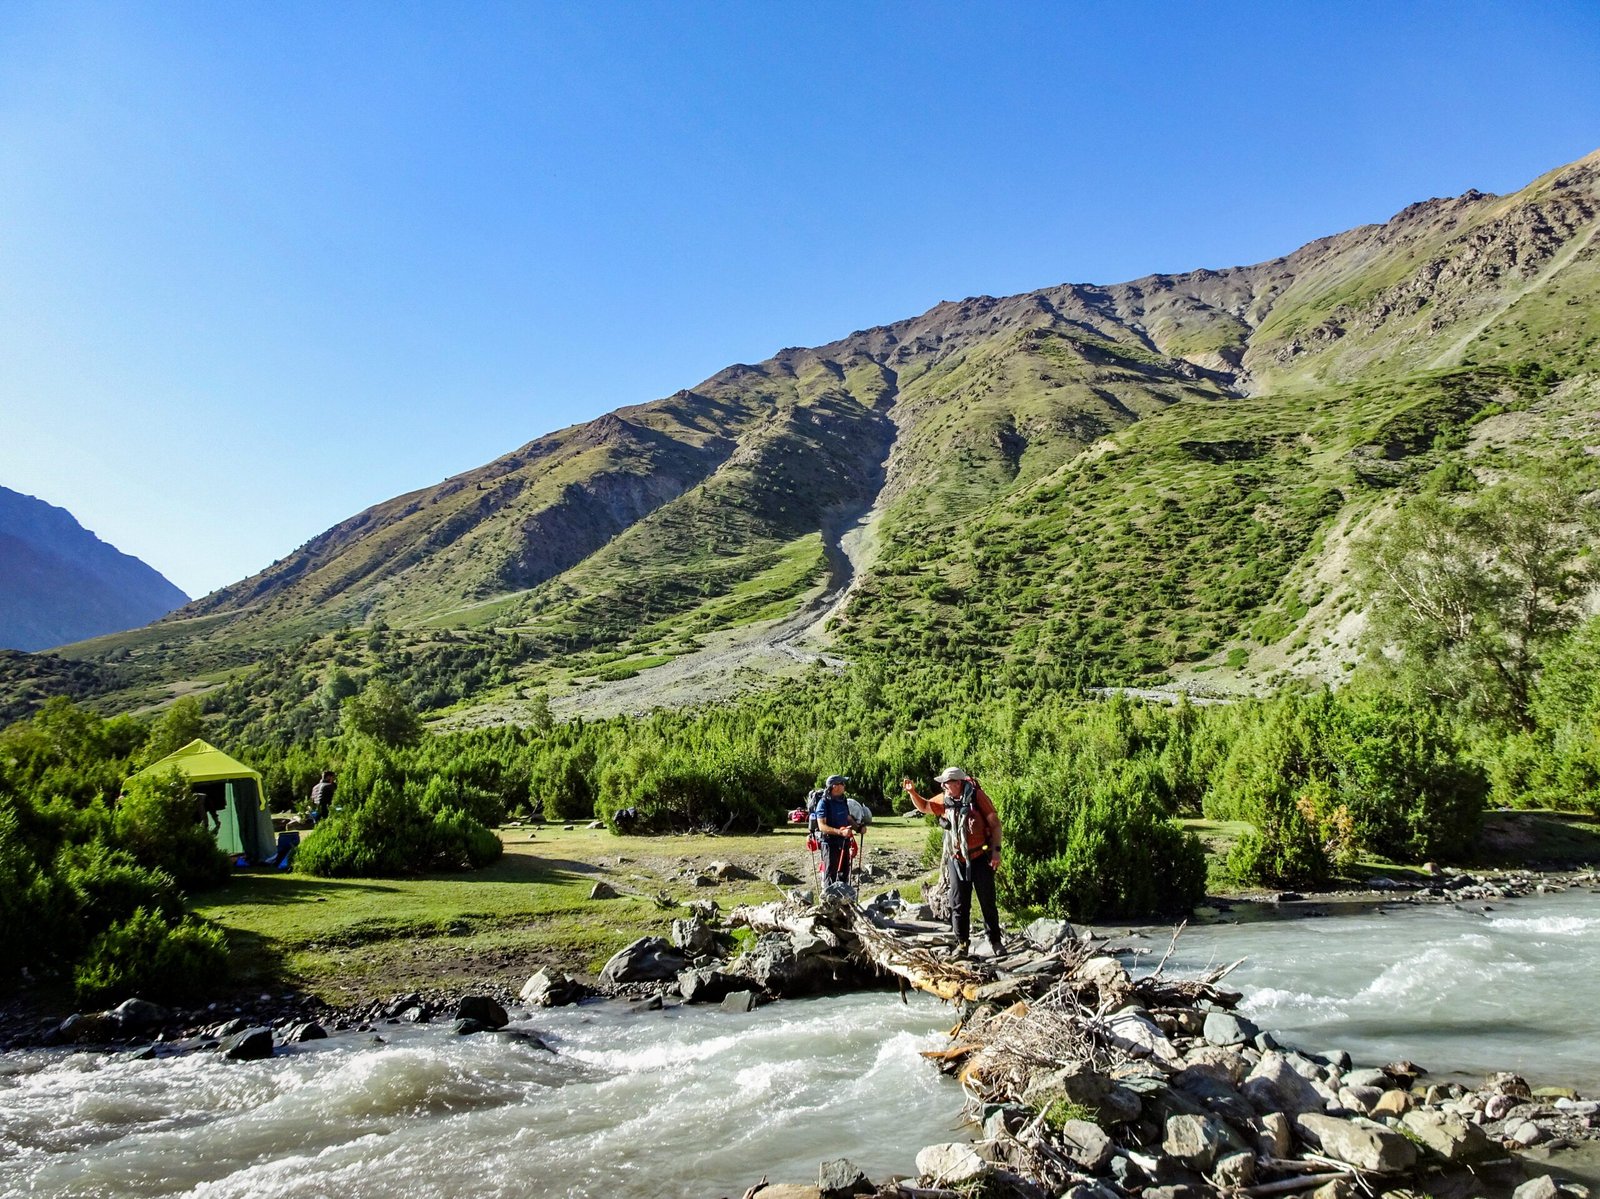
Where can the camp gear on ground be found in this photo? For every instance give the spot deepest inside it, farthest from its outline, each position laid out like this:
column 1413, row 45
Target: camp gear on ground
column 231, row 791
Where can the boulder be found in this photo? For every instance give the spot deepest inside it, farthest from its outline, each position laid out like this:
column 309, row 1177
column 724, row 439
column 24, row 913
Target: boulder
column 1047, row 934
column 1197, row 1141
column 552, row 990
column 1542, row 1187
column 1228, row 1061
column 1275, row 1086
column 1277, row 1135
column 602, row 890
column 251, row 1045
column 238, row 1024
column 81, row 1027
column 1234, row 1170
column 694, row 936
column 952, row 1166
column 465, row 1028
column 782, row 878
column 1086, row 1144
column 1365, row 1146
column 482, row 1008
column 705, row 909
column 137, row 1014
column 1367, row 1078
column 739, row 1001
column 308, row 1030
column 705, row 986
column 1513, row 1085
column 1524, row 1134
column 727, row 872
column 842, row 1177
column 647, row 960
column 1449, row 1135
column 1359, row 1099
column 517, row 1036
column 1134, row 1032
column 1393, row 1103
column 1216, row 1093
column 1224, row 1028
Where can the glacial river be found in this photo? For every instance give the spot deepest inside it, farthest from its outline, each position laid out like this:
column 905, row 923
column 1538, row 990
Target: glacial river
column 701, row 1103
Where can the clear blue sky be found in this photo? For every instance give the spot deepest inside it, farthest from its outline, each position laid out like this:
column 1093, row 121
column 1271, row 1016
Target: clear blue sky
column 262, row 265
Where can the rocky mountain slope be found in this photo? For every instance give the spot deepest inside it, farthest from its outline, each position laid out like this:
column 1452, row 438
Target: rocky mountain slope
column 61, row 583
column 1117, row 483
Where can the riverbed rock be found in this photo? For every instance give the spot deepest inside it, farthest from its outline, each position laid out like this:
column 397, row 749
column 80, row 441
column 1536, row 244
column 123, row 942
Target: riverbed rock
column 1367, row 1078
column 1366, row 1146
column 1229, row 1061
column 1506, row 1083
column 1196, row 1140
column 545, row 989
column 86, row 1028
column 466, row 1028
column 1277, row 1135
column 1542, row 1187
column 1224, row 1028
column 135, row 1015
column 1216, row 1093
column 649, row 959
column 484, row 1009
column 306, row 1030
column 1359, row 1099
column 694, row 936
column 251, row 1045
column 840, row 1178
column 1448, row 1135
column 1275, row 1086
column 739, row 1001
column 1086, row 1144
column 1393, row 1103
column 706, row 986
column 1524, row 1134
column 952, row 1166
column 1110, row 979
column 1048, row 934
column 1234, row 1170
column 1134, row 1032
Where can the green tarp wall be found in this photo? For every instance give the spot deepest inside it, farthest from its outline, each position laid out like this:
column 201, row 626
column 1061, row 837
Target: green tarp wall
column 233, row 797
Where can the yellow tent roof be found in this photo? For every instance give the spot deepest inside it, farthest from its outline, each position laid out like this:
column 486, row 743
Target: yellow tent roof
column 202, row 762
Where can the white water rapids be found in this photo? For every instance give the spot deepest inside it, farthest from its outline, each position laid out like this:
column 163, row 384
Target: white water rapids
column 698, row 1102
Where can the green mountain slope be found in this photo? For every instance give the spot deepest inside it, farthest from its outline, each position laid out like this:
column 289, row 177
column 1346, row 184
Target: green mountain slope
column 1111, row 484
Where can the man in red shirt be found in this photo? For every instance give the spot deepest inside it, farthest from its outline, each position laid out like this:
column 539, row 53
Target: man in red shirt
column 972, row 850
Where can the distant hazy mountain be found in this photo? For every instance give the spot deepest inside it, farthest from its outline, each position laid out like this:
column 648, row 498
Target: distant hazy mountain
column 61, row 583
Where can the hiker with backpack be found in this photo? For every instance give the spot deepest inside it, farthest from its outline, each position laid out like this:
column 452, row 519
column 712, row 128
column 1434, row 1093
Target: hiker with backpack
column 971, row 851
column 834, row 826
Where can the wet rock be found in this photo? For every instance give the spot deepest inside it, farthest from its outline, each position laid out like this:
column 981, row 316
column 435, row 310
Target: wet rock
column 1364, row 1146
column 705, row 986
column 229, row 1028
column 308, row 1030
column 251, row 1045
column 952, row 1166
column 1045, row 934
column 465, row 1028
column 739, row 1001
column 649, row 959
column 842, row 1177
column 1224, row 1028
column 416, row 1015
column 653, row 1004
column 484, row 1009
column 602, row 890
column 552, row 990
column 398, row 1005
column 1542, row 1187
column 1275, row 1086
column 1448, row 1135
column 86, row 1027
column 1086, row 1144
column 517, row 1036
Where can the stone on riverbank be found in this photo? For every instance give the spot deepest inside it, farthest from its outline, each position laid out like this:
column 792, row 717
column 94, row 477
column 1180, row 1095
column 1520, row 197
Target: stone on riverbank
column 1087, row 1145
column 1448, row 1135
column 483, row 1009
column 135, row 1015
column 1225, row 1029
column 841, row 1178
column 1275, row 1086
column 307, row 1030
column 552, row 990
column 739, row 1001
column 1366, row 1146
column 952, row 1166
column 647, row 960
column 251, row 1045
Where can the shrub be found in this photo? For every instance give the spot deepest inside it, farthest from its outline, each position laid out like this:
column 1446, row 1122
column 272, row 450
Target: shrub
column 159, row 823
column 144, row 955
column 389, row 833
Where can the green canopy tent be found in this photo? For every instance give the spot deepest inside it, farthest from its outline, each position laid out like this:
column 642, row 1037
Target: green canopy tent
column 231, row 794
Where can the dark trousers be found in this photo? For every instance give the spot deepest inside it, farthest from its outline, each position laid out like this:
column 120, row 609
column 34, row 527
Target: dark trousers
column 980, row 878
column 837, row 850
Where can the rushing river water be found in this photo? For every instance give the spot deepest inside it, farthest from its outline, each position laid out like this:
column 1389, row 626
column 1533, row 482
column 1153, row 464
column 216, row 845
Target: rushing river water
column 699, row 1102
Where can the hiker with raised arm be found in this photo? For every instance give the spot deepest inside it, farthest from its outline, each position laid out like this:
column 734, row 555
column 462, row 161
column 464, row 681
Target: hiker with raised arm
column 971, row 851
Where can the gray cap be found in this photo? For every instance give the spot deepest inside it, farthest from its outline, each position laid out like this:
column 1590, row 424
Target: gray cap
column 952, row 774
column 836, row 778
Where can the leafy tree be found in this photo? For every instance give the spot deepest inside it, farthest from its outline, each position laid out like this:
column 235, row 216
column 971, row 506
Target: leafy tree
column 1471, row 593
column 381, row 713
column 182, row 723
column 159, row 822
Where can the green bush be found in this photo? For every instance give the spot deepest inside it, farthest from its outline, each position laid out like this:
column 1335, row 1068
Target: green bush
column 159, row 822
column 678, row 791
column 146, row 956
column 389, row 833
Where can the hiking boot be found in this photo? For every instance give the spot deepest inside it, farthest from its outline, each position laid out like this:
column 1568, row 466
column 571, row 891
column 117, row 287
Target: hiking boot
column 963, row 949
column 997, row 947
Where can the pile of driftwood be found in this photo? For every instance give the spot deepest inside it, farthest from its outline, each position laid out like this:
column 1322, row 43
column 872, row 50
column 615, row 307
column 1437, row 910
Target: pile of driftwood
column 1090, row 1082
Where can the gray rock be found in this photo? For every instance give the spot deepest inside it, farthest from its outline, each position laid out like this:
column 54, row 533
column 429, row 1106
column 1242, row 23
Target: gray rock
column 1448, row 1135
column 251, row 1045
column 1224, row 1028
column 416, row 1015
column 228, row 1027
column 1542, row 1187
column 706, row 986
column 1359, row 1099
column 1275, row 1086
column 1216, row 1093
column 1524, row 1134
column 136, row 1014
column 483, row 1009
column 550, row 990
column 647, row 960
column 465, row 1028
column 1367, row 1078
column 739, row 1001
column 517, row 1036
column 782, row 878
column 695, row 937
column 82, row 1027
column 1134, row 1032
column 1086, row 1144
column 1277, row 1135
column 308, row 1030
column 952, row 1165
column 706, row 909
column 1089, row 1190
column 602, row 890
column 1230, row 1062
column 841, row 1177
column 1267, row 1043
column 727, row 872
column 1234, row 1170
column 1196, row 1141
column 1365, row 1146
column 1044, row 933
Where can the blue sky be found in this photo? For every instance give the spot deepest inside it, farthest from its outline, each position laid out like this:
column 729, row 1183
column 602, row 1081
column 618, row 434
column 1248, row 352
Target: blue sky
column 262, row 265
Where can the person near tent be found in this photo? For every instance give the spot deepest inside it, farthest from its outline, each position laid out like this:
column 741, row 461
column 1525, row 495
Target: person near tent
column 322, row 797
column 835, row 828
column 971, row 851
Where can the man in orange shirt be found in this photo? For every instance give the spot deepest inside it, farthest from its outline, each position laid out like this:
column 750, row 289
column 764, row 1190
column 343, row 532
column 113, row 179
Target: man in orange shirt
column 972, row 850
